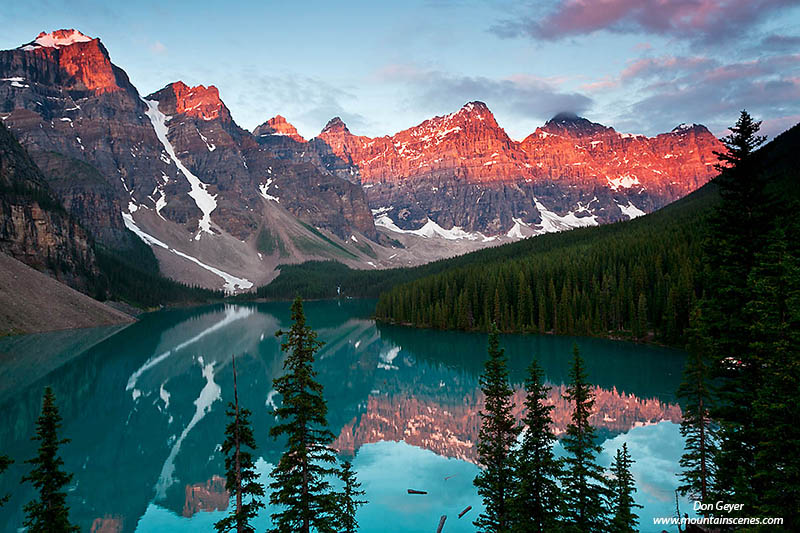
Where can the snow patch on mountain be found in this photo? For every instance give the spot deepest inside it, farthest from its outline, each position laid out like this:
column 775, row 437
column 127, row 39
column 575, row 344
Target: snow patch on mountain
column 516, row 231
column 630, row 210
column 553, row 222
column 211, row 146
column 264, row 187
column 625, row 182
column 57, row 39
column 204, row 200
column 431, row 229
column 147, row 238
column 232, row 283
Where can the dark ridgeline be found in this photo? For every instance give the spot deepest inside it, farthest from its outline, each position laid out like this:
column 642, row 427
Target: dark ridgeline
column 742, row 380
column 638, row 279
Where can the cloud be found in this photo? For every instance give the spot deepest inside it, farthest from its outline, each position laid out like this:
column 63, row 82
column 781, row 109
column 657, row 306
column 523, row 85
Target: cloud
column 527, row 96
column 711, row 21
column 709, row 90
column 158, row 48
column 307, row 102
column 664, row 66
column 780, row 43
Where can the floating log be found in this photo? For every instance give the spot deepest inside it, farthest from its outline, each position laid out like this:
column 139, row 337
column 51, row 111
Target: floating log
column 465, row 511
column 441, row 524
column 413, row 491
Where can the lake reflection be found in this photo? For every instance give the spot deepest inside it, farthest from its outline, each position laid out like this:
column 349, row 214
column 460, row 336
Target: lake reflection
column 145, row 409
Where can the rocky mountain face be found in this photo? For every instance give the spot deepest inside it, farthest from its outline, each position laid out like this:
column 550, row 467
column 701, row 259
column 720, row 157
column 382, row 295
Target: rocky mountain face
column 281, row 138
column 240, row 173
column 222, row 207
column 61, row 95
column 462, row 170
column 34, row 227
column 172, row 167
column 277, row 126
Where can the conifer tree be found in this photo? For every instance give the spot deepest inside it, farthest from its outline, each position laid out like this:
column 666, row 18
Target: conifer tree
column 49, row 513
column 496, row 440
column 242, row 478
column 622, row 487
column 349, row 501
column 740, row 145
column 537, row 496
column 300, row 486
column 736, row 234
column 775, row 331
column 697, row 428
column 640, row 326
column 583, row 483
column 5, row 462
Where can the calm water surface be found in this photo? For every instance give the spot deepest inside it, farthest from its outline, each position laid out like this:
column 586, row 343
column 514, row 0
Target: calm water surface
column 144, row 407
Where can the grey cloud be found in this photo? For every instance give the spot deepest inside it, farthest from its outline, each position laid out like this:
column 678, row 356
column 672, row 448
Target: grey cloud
column 695, row 20
column 524, row 96
column 306, row 101
column 780, row 43
column 768, row 88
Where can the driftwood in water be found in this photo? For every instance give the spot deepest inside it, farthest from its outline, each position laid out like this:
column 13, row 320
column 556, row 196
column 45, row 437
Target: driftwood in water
column 465, row 511
column 412, row 491
column 441, row 524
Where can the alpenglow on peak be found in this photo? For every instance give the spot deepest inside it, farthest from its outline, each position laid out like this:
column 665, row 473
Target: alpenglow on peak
column 57, row 39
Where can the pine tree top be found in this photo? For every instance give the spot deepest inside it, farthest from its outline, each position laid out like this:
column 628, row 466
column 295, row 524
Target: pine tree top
column 741, row 142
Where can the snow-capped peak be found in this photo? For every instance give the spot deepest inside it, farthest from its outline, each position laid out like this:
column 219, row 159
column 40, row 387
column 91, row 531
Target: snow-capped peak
column 475, row 111
column 60, row 38
column 476, row 106
column 684, row 127
column 472, row 110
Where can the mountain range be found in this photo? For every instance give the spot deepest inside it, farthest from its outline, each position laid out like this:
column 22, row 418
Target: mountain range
column 223, row 207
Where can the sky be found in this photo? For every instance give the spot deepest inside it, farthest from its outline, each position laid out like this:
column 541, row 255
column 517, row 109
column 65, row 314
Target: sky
column 641, row 66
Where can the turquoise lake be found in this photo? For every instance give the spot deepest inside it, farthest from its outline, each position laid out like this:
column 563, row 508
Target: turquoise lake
column 144, row 407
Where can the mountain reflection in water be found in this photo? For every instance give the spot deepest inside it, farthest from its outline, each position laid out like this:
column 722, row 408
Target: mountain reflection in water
column 144, row 408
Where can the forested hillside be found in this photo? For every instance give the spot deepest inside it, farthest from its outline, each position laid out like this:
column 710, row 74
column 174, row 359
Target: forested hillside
column 328, row 279
column 633, row 279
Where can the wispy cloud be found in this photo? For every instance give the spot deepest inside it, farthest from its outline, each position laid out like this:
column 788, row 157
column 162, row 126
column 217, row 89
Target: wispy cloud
column 780, row 43
column 707, row 89
column 710, row 21
column 526, row 95
column 158, row 48
column 307, row 101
